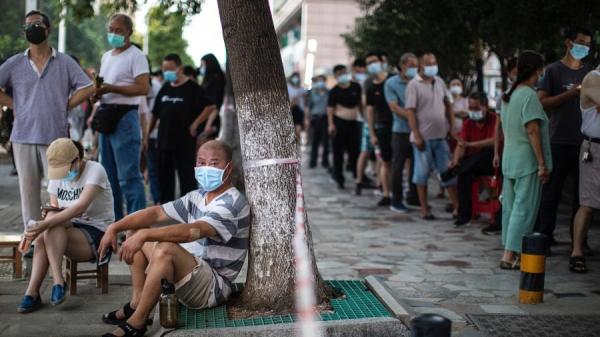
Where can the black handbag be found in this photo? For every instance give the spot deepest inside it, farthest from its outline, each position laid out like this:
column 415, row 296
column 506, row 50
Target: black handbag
column 107, row 117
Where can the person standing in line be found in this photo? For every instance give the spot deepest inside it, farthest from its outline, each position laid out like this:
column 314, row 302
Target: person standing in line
column 526, row 159
column 152, row 151
column 213, row 84
column 395, row 89
column 343, row 106
column 589, row 169
column 126, row 76
column 430, row 118
column 379, row 122
column 317, row 115
column 297, row 96
column 181, row 106
column 558, row 91
column 45, row 84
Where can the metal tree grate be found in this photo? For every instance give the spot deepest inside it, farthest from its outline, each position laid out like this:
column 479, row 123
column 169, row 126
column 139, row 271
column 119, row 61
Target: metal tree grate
column 494, row 325
column 358, row 302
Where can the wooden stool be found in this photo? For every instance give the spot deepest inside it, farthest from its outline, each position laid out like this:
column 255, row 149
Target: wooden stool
column 100, row 274
column 12, row 241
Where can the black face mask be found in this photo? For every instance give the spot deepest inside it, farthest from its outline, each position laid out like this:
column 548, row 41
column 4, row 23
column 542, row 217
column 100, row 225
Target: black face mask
column 35, row 34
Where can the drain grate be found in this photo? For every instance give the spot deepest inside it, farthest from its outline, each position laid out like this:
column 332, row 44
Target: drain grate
column 359, row 302
column 493, row 325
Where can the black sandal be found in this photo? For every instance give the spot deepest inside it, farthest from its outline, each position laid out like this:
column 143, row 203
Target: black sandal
column 577, row 265
column 111, row 317
column 129, row 331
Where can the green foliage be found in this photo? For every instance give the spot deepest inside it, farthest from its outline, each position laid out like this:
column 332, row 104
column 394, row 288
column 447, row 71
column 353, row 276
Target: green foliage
column 453, row 29
column 165, row 35
column 12, row 39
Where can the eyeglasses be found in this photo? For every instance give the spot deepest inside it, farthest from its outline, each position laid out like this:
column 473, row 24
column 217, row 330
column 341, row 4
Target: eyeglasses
column 34, row 24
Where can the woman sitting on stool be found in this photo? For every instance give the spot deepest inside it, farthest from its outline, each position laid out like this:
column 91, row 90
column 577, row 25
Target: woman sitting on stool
column 81, row 210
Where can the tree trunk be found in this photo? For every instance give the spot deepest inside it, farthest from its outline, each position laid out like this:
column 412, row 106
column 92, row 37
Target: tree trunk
column 266, row 132
column 230, row 132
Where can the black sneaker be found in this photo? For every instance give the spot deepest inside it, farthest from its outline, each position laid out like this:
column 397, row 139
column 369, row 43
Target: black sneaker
column 358, row 189
column 461, row 222
column 384, row 202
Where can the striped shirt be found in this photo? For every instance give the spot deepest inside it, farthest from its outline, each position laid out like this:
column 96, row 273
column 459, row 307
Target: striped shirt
column 229, row 215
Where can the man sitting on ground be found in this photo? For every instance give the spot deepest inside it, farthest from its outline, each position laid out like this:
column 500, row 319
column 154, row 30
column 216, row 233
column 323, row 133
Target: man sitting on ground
column 201, row 254
column 474, row 154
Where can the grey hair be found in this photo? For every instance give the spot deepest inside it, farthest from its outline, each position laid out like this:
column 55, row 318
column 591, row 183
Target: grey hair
column 125, row 19
column 406, row 56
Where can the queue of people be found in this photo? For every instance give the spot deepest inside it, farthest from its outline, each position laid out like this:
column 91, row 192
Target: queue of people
column 409, row 123
column 406, row 118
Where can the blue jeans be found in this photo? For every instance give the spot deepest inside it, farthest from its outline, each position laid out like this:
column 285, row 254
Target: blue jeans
column 120, row 154
column 436, row 155
column 152, row 162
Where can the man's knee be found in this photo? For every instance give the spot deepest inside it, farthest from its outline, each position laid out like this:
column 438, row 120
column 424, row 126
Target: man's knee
column 163, row 250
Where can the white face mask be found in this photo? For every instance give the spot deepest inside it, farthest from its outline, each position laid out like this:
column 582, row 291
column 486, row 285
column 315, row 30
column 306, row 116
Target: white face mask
column 456, row 89
column 476, row 115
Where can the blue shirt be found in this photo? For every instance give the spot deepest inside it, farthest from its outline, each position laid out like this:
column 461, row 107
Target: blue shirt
column 318, row 102
column 40, row 98
column 394, row 90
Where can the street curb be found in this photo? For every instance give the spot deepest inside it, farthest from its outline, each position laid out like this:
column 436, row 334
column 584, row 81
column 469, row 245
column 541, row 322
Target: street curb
column 368, row 327
column 398, row 307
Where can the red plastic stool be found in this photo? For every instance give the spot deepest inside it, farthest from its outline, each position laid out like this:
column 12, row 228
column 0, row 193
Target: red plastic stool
column 489, row 206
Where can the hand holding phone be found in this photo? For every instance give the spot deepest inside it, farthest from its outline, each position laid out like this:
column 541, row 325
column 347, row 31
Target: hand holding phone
column 106, row 258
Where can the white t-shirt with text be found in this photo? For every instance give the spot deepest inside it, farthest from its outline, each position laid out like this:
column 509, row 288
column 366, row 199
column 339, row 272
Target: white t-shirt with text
column 100, row 212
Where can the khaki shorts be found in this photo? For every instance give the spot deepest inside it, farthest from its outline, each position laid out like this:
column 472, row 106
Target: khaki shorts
column 196, row 289
column 589, row 177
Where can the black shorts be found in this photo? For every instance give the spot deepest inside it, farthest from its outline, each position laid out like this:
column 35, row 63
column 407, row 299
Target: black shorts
column 384, row 138
column 297, row 115
column 93, row 235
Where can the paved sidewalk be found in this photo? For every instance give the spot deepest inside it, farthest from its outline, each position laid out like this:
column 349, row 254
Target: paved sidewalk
column 430, row 265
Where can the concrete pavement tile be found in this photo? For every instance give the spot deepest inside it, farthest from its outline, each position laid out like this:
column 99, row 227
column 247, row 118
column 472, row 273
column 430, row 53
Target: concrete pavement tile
column 502, row 309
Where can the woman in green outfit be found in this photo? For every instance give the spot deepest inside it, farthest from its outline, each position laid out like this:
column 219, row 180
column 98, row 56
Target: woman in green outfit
column 526, row 163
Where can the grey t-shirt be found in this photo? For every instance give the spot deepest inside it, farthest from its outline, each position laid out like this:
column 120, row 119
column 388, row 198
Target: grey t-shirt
column 40, row 99
column 565, row 119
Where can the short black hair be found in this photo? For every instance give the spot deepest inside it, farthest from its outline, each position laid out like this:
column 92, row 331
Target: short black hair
column 511, row 64
column 190, row 71
column 174, row 58
column 338, row 68
column 79, row 147
column 572, row 32
column 45, row 19
column 376, row 54
column 359, row 62
column 480, row 96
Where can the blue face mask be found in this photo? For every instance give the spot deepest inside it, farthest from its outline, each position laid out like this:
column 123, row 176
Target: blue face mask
column 170, row 76
column 116, row 40
column 209, row 178
column 579, row 51
column 360, row 77
column 476, row 115
column 430, row 71
column 375, row 68
column 71, row 176
column 411, row 72
column 344, row 79
column 319, row 85
column 202, row 71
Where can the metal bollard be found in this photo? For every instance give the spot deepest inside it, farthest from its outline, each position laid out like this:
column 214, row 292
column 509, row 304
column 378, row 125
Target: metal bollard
column 533, row 268
column 430, row 325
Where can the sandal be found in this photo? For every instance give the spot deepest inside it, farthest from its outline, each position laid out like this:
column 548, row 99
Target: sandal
column 506, row 265
column 111, row 317
column 129, row 331
column 577, row 265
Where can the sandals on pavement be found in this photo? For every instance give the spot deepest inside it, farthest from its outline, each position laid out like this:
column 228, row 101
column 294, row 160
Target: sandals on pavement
column 129, row 331
column 111, row 317
column 577, row 265
column 507, row 265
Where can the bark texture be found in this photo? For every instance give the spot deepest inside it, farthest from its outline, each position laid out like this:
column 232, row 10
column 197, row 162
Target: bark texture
column 266, row 132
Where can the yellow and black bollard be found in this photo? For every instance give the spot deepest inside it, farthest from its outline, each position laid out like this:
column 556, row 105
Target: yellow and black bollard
column 533, row 268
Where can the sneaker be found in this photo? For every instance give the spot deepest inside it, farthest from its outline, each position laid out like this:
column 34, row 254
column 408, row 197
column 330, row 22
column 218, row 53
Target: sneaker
column 358, row 189
column 29, row 304
column 385, row 201
column 461, row 222
column 398, row 208
column 59, row 293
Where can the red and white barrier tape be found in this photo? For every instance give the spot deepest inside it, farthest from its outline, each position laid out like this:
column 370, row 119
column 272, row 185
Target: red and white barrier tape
column 305, row 280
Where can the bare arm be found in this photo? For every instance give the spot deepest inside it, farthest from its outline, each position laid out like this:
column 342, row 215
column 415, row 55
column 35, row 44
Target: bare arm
column 212, row 118
column 80, row 95
column 139, row 88
column 204, row 115
column 488, row 142
column 400, row 112
column 330, row 124
column 590, row 90
column 535, row 138
column 450, row 116
column 6, row 100
column 497, row 136
column 550, row 102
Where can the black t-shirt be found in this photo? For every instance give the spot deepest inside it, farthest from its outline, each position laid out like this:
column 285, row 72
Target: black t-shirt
column 376, row 99
column 177, row 108
column 565, row 119
column 347, row 97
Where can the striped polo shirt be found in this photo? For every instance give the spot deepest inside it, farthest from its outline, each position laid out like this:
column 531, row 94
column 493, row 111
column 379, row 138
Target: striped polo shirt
column 229, row 215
